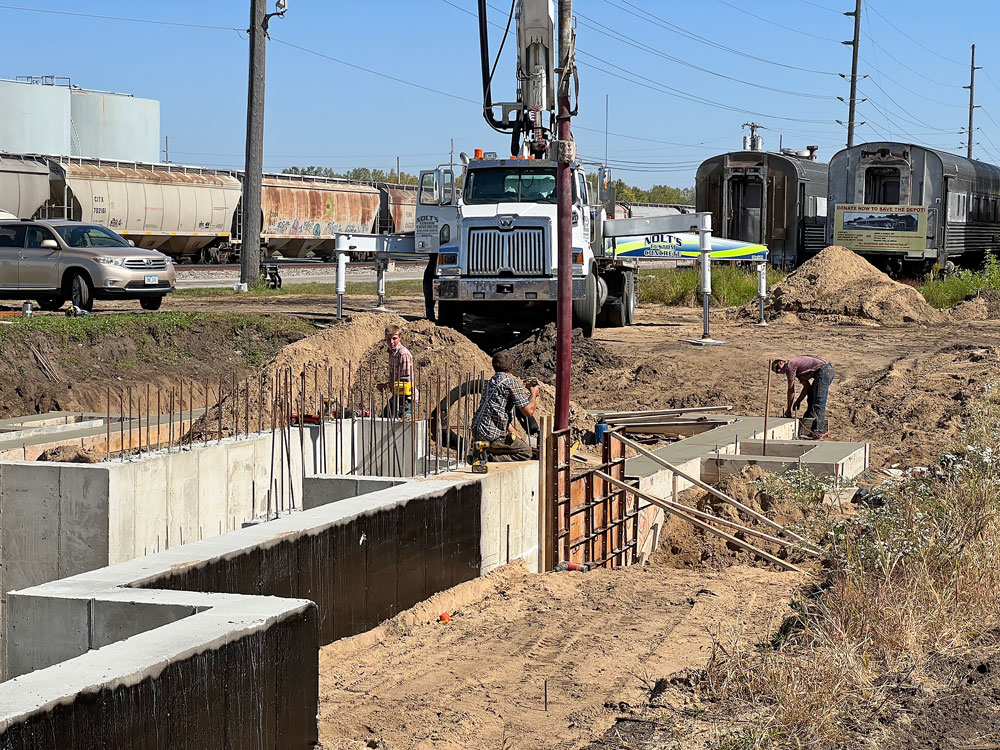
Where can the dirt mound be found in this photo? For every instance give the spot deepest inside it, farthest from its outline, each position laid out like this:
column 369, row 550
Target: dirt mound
column 685, row 546
column 984, row 305
column 839, row 282
column 535, row 357
column 71, row 454
column 353, row 356
column 917, row 404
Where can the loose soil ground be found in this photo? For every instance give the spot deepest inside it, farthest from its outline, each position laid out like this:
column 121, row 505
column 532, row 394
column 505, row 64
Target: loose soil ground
column 602, row 639
column 596, row 639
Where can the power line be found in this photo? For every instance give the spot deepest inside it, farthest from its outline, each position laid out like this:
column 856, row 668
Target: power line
column 868, row 19
column 923, row 96
column 648, row 17
column 903, row 64
column 769, row 22
column 375, row 72
column 119, row 18
column 621, row 37
column 915, row 120
column 929, row 49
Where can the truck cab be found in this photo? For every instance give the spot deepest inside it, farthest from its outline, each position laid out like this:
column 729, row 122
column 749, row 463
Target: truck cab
column 496, row 243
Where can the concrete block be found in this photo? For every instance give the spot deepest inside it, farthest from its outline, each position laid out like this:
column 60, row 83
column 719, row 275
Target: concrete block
column 45, row 630
column 122, row 536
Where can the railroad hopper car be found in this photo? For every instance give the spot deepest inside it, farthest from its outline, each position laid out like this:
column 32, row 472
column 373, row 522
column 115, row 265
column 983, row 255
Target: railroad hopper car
column 907, row 206
column 192, row 213
column 774, row 199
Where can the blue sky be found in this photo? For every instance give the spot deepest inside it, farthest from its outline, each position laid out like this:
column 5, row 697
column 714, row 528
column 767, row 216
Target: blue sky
column 662, row 118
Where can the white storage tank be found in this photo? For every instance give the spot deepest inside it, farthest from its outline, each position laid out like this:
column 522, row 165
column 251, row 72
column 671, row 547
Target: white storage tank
column 114, row 126
column 36, row 118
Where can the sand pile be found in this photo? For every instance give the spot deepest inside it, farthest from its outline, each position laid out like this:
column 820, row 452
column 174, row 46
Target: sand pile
column 72, row 454
column 838, row 282
column 535, row 357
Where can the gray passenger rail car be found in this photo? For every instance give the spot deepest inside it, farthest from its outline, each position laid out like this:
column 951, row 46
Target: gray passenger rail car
column 774, row 199
column 910, row 207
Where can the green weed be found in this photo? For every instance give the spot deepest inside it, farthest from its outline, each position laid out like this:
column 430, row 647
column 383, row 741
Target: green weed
column 731, row 285
column 948, row 292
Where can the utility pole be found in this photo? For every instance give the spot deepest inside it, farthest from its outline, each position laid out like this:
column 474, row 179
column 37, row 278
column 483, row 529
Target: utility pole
column 972, row 103
column 254, row 165
column 566, row 153
column 852, row 106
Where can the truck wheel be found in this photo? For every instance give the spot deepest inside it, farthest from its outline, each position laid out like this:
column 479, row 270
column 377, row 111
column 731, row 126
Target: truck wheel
column 585, row 310
column 629, row 293
column 450, row 314
column 79, row 291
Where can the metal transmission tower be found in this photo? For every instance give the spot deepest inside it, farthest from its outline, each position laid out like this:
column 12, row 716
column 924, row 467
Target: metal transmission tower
column 254, row 166
column 972, row 102
column 852, row 105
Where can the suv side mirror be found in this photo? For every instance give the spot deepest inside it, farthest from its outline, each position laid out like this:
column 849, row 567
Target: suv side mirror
column 49, row 245
column 131, row 243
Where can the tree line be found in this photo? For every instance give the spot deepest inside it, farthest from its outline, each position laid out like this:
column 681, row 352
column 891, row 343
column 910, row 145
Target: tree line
column 624, row 193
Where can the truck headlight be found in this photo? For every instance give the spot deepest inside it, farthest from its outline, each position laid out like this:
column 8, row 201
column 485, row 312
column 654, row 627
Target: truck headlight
column 449, row 259
column 111, row 261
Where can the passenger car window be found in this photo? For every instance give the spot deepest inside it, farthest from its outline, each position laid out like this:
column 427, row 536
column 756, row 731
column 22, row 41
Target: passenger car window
column 11, row 237
column 36, row 234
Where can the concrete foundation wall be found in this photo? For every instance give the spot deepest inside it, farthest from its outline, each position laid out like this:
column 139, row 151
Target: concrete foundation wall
column 197, row 646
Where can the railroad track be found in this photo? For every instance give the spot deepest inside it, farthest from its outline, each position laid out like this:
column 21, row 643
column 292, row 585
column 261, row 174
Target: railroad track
column 282, row 264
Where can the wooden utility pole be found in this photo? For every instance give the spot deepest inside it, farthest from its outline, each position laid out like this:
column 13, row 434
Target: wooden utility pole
column 566, row 154
column 254, row 165
column 852, row 104
column 972, row 104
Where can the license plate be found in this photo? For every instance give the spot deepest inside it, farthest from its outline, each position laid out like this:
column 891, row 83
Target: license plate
column 152, row 279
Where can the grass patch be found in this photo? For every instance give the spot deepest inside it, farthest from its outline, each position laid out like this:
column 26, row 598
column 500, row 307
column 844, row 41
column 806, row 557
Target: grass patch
column 910, row 588
column 309, row 288
column 731, row 285
column 959, row 286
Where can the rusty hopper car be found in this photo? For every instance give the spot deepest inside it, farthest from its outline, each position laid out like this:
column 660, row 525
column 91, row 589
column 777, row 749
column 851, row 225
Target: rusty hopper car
column 775, row 199
column 303, row 214
column 902, row 205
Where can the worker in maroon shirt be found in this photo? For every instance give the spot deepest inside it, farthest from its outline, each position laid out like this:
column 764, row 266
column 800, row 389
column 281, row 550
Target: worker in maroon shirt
column 815, row 375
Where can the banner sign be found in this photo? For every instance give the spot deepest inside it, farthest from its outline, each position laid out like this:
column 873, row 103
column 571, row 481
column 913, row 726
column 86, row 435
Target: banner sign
column 681, row 246
column 880, row 228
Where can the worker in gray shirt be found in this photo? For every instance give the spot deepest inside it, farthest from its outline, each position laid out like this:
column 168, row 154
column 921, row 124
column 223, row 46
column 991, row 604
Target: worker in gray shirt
column 493, row 421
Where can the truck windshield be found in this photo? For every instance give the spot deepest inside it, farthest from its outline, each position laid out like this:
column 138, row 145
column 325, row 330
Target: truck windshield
column 510, row 186
column 90, row 235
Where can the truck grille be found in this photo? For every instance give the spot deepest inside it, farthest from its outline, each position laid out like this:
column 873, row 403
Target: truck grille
column 139, row 264
column 518, row 251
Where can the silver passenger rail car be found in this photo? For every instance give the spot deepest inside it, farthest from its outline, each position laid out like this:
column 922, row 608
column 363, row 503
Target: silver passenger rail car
column 774, row 199
column 904, row 206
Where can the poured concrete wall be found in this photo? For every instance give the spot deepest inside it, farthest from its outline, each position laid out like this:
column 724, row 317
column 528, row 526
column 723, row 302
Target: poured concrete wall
column 196, row 647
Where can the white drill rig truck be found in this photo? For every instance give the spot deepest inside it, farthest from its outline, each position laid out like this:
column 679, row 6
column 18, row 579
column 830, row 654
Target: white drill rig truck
column 489, row 232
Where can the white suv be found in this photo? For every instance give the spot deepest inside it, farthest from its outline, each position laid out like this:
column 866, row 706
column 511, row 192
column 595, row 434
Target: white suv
column 58, row 261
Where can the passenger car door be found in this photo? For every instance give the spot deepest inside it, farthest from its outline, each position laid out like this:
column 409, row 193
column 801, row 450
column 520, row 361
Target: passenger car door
column 11, row 247
column 38, row 267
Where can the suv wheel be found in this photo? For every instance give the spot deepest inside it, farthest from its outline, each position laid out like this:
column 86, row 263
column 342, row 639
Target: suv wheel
column 79, row 291
column 151, row 303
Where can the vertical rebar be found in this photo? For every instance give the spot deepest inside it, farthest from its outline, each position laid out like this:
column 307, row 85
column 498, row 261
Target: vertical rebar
column 427, row 425
column 437, row 426
column 219, row 409
column 129, row 391
column 204, row 418
column 147, row 416
column 107, row 429
column 121, row 421
column 447, row 417
column 302, row 420
column 191, row 414
column 270, row 479
column 180, row 412
column 159, row 413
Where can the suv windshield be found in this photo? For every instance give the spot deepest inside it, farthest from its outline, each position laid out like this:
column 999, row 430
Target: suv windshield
column 510, row 186
column 89, row 235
